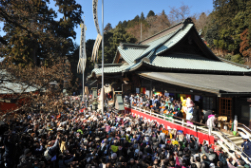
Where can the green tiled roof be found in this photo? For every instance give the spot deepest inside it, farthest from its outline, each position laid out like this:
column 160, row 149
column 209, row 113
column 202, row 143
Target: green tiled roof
column 156, row 43
column 130, row 54
column 193, row 62
column 116, row 69
column 206, row 82
column 175, row 39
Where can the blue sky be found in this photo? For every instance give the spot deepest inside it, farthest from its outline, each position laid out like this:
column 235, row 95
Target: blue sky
column 120, row 10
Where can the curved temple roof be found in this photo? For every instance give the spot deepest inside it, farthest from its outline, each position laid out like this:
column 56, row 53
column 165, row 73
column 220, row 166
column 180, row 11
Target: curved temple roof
column 155, row 52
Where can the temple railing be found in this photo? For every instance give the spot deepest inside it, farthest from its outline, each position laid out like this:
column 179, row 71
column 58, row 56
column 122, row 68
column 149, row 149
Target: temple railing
column 223, row 140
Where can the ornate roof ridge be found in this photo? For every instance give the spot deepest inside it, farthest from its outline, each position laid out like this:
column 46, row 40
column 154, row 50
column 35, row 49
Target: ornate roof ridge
column 186, row 21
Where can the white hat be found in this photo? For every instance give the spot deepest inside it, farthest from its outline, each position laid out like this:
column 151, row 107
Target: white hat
column 245, row 137
column 211, row 165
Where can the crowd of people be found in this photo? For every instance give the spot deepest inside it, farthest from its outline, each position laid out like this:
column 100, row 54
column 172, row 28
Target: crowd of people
column 82, row 138
column 168, row 105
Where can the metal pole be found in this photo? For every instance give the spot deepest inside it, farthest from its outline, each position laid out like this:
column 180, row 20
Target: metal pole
column 83, row 80
column 102, row 105
column 83, row 76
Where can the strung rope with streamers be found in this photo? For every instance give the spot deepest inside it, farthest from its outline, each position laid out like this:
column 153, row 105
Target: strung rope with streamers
column 96, row 48
column 82, row 51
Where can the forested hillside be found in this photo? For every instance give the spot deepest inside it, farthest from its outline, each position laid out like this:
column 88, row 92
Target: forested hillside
column 229, row 28
column 142, row 26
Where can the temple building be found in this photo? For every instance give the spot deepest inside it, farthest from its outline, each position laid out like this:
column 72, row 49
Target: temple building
column 176, row 62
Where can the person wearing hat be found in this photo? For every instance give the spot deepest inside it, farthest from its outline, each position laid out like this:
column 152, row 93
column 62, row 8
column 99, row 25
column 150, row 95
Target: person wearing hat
column 212, row 165
column 246, row 145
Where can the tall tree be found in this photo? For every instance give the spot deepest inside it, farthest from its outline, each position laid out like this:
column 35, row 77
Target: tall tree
column 112, row 41
column 201, row 23
column 28, row 30
column 31, row 30
column 108, row 27
column 136, row 18
column 245, row 48
column 124, row 24
column 142, row 16
column 232, row 18
column 163, row 20
column 71, row 18
column 150, row 13
column 178, row 14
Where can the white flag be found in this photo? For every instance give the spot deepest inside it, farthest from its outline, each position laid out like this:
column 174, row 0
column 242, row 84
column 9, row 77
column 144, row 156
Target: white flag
column 82, row 50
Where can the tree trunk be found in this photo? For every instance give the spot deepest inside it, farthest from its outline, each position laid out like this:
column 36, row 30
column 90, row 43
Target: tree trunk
column 35, row 54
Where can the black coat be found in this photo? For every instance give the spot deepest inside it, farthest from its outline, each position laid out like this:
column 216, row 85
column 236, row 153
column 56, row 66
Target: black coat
column 196, row 115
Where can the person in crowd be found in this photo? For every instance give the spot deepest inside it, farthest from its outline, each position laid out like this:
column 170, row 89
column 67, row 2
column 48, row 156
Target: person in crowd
column 212, row 121
column 211, row 155
column 131, row 100
column 196, row 113
column 95, row 140
column 246, row 145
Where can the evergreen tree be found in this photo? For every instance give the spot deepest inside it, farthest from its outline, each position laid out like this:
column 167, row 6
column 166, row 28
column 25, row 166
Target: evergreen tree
column 108, row 27
column 136, row 18
column 228, row 26
column 32, row 33
column 150, row 13
column 112, row 41
column 29, row 33
column 124, row 24
column 120, row 23
column 163, row 14
column 71, row 18
column 163, row 21
column 142, row 16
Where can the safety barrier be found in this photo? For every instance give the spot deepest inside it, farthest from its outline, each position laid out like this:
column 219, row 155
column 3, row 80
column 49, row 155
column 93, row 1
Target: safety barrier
column 212, row 136
column 174, row 123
